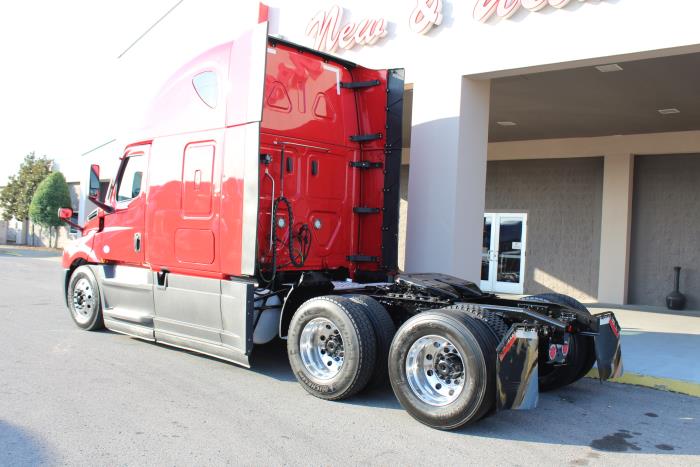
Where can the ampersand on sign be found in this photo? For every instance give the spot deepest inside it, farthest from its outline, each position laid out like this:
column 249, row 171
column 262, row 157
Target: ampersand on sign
column 426, row 14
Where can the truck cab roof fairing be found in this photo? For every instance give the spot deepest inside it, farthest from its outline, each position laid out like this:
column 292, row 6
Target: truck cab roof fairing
column 178, row 108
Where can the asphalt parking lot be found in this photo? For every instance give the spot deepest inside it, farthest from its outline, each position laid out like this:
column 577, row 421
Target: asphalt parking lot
column 73, row 397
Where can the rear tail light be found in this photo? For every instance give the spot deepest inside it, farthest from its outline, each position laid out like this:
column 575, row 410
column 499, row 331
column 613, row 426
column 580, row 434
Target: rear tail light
column 552, row 352
column 613, row 326
column 508, row 346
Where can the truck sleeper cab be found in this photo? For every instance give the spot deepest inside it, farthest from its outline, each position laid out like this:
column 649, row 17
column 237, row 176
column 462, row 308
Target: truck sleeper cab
column 260, row 199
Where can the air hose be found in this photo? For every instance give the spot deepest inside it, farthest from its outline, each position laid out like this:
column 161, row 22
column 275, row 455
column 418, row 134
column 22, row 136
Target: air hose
column 302, row 238
column 297, row 256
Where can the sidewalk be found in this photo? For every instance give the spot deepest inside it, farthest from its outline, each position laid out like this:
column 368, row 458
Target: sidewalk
column 660, row 348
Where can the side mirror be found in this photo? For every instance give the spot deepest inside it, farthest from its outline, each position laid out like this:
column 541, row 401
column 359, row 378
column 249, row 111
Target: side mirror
column 94, row 189
column 94, row 182
column 65, row 213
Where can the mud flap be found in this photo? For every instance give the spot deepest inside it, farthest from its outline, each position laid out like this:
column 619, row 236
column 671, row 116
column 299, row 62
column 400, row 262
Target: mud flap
column 516, row 369
column 607, row 347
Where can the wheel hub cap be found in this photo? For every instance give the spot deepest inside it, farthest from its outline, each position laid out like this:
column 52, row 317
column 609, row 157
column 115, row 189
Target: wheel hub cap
column 435, row 370
column 83, row 300
column 448, row 366
column 321, row 348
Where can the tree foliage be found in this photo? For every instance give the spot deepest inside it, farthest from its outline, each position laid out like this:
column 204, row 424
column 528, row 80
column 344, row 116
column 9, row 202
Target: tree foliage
column 51, row 194
column 16, row 197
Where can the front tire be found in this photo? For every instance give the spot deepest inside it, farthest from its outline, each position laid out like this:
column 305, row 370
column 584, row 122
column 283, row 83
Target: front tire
column 442, row 368
column 84, row 300
column 331, row 347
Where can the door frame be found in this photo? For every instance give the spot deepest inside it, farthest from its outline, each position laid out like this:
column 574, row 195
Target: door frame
column 492, row 284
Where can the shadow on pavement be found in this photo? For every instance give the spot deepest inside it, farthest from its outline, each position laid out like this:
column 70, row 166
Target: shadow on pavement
column 19, row 447
column 605, row 417
column 271, row 360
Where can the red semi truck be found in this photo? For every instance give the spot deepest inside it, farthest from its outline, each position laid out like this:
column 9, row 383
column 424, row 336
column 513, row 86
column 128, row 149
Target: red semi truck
column 260, row 200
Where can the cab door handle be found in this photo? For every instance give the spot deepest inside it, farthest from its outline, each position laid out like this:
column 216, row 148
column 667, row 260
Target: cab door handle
column 137, row 242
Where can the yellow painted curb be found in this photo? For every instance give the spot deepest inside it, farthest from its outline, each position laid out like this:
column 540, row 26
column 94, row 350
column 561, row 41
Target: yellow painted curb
column 663, row 384
column 9, row 253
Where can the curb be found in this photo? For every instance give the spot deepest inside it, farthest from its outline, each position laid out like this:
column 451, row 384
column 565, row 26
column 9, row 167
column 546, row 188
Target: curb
column 663, row 384
column 9, row 253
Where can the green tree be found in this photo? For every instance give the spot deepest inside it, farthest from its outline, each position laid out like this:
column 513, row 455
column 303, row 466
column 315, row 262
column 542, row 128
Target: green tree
column 16, row 197
column 51, row 194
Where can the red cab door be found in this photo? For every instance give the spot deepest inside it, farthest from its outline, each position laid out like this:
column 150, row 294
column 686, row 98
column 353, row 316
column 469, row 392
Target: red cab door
column 121, row 238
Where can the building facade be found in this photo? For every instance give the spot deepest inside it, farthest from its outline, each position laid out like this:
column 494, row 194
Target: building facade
column 549, row 145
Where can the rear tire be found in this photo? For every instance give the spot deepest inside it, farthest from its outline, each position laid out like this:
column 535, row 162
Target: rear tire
column 461, row 390
column 582, row 349
column 384, row 330
column 84, row 299
column 331, row 347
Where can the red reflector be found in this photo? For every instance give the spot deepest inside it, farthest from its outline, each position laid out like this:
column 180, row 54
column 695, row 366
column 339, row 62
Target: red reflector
column 552, row 351
column 614, row 328
column 507, row 347
column 565, row 349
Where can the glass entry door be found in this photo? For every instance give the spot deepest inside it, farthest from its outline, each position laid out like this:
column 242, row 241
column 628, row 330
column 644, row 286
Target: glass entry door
column 503, row 252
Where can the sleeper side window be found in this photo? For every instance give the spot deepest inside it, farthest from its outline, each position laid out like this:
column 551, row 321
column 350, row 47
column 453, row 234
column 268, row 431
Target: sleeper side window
column 131, row 181
column 206, row 86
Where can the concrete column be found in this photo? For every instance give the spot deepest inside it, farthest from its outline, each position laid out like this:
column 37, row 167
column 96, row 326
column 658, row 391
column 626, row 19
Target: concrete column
column 615, row 229
column 4, row 225
column 447, row 177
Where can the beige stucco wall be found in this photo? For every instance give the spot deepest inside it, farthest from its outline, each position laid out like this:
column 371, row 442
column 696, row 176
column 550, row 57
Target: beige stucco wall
column 562, row 198
column 665, row 226
column 618, row 188
column 681, row 142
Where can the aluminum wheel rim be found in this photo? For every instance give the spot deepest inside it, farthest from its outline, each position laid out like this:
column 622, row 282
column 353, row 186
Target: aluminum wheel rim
column 83, row 301
column 321, row 348
column 435, row 370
